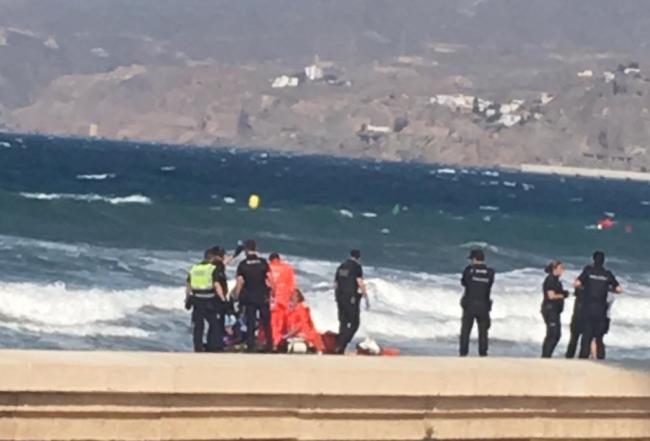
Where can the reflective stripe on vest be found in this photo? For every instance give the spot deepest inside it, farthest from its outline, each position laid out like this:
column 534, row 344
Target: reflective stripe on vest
column 201, row 280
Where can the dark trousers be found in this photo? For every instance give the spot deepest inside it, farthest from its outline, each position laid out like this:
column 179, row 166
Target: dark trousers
column 482, row 317
column 349, row 320
column 576, row 332
column 594, row 328
column 553, row 332
column 207, row 310
column 258, row 315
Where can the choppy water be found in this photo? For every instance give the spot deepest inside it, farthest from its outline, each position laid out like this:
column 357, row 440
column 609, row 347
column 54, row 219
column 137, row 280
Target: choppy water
column 95, row 239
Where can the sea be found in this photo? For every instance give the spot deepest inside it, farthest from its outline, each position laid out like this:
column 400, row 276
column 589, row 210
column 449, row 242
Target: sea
column 96, row 238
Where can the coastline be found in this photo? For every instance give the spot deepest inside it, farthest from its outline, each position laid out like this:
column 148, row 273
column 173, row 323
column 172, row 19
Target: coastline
column 130, row 395
column 534, row 169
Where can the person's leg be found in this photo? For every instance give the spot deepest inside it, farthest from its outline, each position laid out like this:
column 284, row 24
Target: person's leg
column 553, row 333
column 483, row 319
column 265, row 325
column 467, row 321
column 355, row 319
column 587, row 336
column 199, row 327
column 346, row 314
column 214, row 334
column 573, row 339
column 251, row 324
column 277, row 324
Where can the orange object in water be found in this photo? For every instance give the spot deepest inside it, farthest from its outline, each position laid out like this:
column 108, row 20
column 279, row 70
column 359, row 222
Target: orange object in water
column 606, row 224
column 300, row 324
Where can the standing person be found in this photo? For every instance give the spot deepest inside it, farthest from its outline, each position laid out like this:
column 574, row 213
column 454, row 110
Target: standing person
column 597, row 282
column 206, row 295
column 349, row 288
column 253, row 292
column 576, row 324
column 282, row 281
column 477, row 280
column 552, row 306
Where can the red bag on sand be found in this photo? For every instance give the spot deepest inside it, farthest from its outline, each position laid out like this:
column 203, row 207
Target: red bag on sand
column 329, row 342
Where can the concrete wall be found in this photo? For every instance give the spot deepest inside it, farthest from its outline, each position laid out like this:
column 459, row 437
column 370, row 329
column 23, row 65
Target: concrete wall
column 147, row 396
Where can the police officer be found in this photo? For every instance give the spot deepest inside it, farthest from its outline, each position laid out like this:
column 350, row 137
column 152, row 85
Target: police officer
column 576, row 324
column 206, row 296
column 597, row 282
column 254, row 296
column 349, row 289
column 477, row 280
column 552, row 306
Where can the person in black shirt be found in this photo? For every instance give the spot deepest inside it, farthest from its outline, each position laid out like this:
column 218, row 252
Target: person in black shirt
column 576, row 324
column 477, row 280
column 597, row 282
column 206, row 296
column 552, row 306
column 349, row 289
column 254, row 295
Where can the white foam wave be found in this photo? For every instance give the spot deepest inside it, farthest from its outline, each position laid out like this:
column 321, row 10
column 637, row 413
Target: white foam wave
column 114, row 200
column 5, row 144
column 346, row 213
column 96, row 177
column 54, row 308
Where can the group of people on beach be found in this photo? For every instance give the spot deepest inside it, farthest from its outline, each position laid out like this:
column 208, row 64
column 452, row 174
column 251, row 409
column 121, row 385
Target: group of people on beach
column 267, row 312
column 594, row 289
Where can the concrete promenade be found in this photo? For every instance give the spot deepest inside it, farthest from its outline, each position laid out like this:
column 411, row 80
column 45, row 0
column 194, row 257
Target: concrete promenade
column 150, row 396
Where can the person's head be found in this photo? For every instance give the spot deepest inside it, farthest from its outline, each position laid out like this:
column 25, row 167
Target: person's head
column 555, row 267
column 208, row 254
column 250, row 246
column 599, row 258
column 217, row 254
column 476, row 255
column 274, row 257
column 355, row 254
column 298, row 297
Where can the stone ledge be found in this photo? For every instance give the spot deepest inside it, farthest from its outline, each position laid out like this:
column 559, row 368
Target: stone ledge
column 147, row 396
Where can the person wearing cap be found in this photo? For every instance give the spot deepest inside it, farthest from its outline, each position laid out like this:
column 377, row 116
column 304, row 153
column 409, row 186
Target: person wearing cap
column 254, row 295
column 282, row 281
column 597, row 282
column 206, row 296
column 349, row 289
column 477, row 280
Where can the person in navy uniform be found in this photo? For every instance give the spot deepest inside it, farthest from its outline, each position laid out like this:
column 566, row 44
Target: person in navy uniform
column 477, row 280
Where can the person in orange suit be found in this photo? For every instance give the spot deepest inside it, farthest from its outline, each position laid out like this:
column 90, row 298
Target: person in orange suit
column 282, row 281
column 300, row 324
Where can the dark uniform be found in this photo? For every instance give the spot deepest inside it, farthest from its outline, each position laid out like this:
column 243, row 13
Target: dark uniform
column 551, row 311
column 255, row 299
column 597, row 282
column 477, row 280
column 206, row 305
column 347, row 301
column 576, row 324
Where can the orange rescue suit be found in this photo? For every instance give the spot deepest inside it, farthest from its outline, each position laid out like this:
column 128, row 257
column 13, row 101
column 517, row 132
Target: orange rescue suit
column 300, row 324
column 282, row 281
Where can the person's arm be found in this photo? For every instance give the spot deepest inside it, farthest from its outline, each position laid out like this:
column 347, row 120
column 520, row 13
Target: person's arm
column 219, row 291
column 581, row 280
column 463, row 278
column 616, row 287
column 239, row 286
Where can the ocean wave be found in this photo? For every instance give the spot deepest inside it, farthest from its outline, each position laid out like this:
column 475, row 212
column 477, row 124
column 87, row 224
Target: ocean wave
column 97, row 177
column 91, row 197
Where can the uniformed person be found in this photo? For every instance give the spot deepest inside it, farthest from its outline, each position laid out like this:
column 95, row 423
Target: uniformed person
column 597, row 282
column 206, row 296
column 254, row 295
column 349, row 288
column 477, row 280
column 552, row 306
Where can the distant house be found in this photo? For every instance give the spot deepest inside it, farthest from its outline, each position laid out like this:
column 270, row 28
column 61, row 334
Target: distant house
column 285, row 81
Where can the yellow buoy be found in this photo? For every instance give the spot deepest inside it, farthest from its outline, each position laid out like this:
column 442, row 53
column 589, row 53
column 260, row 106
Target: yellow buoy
column 254, row 202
